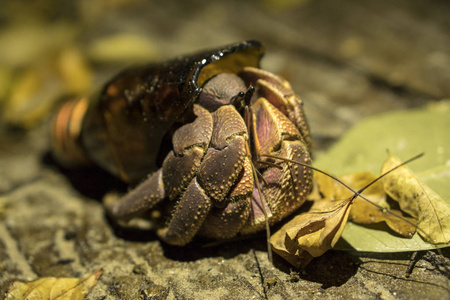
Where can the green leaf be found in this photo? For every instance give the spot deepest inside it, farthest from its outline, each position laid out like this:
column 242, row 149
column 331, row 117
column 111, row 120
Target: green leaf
column 405, row 134
column 372, row 240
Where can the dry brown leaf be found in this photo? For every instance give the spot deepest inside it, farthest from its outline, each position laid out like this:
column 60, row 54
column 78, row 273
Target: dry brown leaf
column 417, row 199
column 54, row 288
column 363, row 212
column 310, row 234
column 366, row 213
column 328, row 189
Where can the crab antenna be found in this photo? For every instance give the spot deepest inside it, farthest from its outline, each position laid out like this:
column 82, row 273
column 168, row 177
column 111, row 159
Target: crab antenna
column 393, row 169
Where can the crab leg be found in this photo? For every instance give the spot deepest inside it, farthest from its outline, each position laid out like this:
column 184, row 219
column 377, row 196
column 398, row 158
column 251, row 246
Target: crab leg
column 140, row 200
column 189, row 215
column 226, row 222
column 219, row 171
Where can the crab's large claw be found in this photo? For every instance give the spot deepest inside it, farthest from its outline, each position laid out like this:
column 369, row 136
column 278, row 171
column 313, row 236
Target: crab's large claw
column 220, row 170
column 208, row 173
column 179, row 168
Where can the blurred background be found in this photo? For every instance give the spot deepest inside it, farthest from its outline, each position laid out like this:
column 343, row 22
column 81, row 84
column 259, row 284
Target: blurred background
column 346, row 59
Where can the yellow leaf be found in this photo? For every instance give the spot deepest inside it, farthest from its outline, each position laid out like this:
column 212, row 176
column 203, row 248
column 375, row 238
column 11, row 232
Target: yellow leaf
column 328, row 189
column 417, row 199
column 32, row 95
column 54, row 288
column 362, row 212
column 310, row 234
column 123, row 47
column 74, row 70
column 366, row 213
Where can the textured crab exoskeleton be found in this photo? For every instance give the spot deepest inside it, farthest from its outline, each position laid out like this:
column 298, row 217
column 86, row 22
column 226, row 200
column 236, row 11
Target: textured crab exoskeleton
column 209, row 172
column 219, row 114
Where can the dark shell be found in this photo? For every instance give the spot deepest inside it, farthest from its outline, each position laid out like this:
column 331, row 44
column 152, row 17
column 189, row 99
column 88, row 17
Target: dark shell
column 126, row 130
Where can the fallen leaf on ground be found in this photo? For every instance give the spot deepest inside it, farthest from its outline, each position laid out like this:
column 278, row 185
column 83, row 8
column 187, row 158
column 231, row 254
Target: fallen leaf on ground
column 366, row 213
column 363, row 148
column 310, row 234
column 417, row 199
column 404, row 133
column 54, row 288
column 362, row 211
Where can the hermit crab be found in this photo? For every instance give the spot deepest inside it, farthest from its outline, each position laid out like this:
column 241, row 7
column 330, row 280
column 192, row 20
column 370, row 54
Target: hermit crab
column 192, row 135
